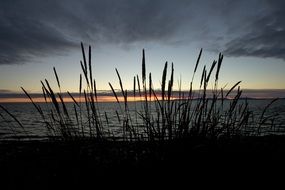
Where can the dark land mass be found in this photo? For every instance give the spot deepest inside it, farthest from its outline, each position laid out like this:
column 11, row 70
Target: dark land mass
column 90, row 162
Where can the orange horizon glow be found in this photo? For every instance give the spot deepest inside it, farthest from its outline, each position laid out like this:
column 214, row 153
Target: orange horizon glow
column 77, row 99
column 38, row 98
column 102, row 99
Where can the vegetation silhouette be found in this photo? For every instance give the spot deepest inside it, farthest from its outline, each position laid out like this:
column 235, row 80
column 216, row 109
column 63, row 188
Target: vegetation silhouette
column 162, row 115
column 200, row 130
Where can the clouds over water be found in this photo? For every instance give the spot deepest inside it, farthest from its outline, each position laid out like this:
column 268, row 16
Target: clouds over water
column 35, row 28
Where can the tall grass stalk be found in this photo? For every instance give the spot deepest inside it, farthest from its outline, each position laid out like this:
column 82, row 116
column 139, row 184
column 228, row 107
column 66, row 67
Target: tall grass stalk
column 163, row 114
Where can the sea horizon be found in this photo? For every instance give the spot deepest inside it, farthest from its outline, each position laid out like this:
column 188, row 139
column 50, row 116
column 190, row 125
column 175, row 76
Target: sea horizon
column 108, row 96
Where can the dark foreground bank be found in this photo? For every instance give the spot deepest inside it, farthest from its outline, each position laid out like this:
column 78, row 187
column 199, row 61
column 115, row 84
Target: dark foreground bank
column 73, row 163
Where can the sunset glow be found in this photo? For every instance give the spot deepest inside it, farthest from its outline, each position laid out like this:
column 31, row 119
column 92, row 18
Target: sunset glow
column 248, row 93
column 252, row 51
column 124, row 92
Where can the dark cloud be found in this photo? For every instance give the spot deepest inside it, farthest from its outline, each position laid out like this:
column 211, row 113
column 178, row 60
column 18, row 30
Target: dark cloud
column 25, row 35
column 35, row 28
column 2, row 91
column 263, row 93
column 264, row 36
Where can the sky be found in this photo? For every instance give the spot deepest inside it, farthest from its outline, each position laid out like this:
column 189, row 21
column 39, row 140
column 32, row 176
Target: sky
column 37, row 35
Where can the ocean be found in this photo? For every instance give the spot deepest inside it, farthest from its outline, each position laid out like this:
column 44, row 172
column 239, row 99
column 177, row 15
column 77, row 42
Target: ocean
column 111, row 115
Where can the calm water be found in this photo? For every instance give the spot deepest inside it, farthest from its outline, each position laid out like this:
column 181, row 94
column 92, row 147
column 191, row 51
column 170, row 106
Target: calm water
column 33, row 123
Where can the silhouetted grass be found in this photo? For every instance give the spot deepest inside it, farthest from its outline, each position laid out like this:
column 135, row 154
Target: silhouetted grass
column 164, row 116
column 171, row 134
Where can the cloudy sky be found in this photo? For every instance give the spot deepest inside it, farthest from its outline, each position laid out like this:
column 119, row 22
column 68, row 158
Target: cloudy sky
column 37, row 35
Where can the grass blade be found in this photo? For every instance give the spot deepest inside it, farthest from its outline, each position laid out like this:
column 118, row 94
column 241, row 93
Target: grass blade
column 233, row 88
column 163, row 81
column 143, row 68
column 198, row 60
column 56, row 76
